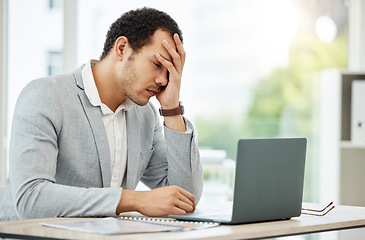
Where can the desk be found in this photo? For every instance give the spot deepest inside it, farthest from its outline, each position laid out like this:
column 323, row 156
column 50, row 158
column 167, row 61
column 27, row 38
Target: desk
column 342, row 217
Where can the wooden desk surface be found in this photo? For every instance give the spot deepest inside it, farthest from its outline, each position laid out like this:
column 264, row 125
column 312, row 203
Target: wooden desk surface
column 342, row 217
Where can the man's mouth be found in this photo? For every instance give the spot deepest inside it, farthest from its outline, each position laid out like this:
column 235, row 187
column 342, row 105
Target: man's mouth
column 152, row 92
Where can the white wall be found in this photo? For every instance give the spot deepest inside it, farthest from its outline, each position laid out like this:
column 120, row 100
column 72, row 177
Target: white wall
column 356, row 35
column 70, row 27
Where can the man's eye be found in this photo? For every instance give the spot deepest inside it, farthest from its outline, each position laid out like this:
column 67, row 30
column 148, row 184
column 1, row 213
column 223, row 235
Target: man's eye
column 157, row 65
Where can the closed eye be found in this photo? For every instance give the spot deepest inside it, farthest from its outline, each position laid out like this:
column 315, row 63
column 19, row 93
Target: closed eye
column 157, row 65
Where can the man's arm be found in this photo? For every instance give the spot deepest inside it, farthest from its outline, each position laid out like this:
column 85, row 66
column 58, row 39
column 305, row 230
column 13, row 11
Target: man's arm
column 181, row 158
column 169, row 97
column 157, row 202
column 43, row 145
column 168, row 158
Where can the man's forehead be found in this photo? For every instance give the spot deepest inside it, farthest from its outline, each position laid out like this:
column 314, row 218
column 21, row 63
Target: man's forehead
column 156, row 43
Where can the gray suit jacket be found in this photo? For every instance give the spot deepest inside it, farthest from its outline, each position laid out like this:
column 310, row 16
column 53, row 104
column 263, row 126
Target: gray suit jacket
column 60, row 159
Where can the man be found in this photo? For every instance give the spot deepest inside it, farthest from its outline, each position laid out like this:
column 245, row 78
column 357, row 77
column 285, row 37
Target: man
column 81, row 142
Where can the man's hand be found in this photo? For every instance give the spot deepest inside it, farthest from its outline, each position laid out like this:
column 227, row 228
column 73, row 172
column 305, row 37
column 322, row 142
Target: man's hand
column 158, row 202
column 169, row 97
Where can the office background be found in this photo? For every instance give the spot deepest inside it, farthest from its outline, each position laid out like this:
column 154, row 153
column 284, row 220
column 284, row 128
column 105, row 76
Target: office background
column 253, row 67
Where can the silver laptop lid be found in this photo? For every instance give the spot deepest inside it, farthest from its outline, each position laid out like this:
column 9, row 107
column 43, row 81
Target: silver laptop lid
column 269, row 179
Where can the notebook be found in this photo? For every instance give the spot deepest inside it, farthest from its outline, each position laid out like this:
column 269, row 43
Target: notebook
column 124, row 225
column 268, row 183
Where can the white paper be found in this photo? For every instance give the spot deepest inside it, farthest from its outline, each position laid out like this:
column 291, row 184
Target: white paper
column 112, row 226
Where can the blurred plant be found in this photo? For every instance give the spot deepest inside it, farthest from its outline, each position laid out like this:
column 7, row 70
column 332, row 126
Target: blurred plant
column 283, row 103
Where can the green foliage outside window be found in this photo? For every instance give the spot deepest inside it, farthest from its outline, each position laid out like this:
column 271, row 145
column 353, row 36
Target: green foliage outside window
column 284, row 104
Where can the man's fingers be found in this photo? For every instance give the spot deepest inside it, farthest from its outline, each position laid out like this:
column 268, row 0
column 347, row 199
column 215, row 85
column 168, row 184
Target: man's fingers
column 173, row 75
column 185, row 207
column 180, row 48
column 187, row 197
column 176, row 59
column 166, row 200
column 167, row 64
column 187, row 200
column 177, row 211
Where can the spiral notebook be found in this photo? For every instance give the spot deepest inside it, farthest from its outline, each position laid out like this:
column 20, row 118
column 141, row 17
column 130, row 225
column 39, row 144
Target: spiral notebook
column 124, row 225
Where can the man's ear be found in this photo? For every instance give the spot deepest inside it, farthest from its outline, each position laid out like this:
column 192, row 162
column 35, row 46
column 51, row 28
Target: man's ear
column 120, row 47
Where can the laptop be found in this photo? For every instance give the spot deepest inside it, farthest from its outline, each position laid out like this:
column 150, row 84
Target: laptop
column 268, row 183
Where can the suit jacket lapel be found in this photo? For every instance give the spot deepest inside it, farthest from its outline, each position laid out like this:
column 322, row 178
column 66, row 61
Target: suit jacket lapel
column 133, row 142
column 98, row 130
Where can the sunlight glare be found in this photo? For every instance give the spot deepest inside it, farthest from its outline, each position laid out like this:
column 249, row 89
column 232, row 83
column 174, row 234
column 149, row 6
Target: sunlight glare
column 326, row 29
column 278, row 21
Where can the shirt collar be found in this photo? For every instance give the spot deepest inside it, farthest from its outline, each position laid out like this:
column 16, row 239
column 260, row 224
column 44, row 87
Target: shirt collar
column 92, row 91
column 89, row 84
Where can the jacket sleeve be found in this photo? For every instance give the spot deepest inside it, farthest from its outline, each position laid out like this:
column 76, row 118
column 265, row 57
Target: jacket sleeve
column 175, row 159
column 33, row 156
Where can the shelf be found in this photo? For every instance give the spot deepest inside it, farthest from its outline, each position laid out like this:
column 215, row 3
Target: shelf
column 352, row 145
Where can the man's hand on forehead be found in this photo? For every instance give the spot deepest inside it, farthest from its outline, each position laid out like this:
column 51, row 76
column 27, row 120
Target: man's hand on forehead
column 167, row 55
column 170, row 96
column 176, row 55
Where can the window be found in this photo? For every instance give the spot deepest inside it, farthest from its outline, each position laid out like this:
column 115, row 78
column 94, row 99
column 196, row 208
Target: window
column 54, row 62
column 34, row 46
column 55, row 4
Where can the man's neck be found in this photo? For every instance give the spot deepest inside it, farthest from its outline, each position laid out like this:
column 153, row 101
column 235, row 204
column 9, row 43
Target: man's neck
column 105, row 80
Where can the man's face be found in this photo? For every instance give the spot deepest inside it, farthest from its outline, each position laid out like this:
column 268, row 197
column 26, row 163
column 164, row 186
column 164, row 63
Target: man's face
column 143, row 76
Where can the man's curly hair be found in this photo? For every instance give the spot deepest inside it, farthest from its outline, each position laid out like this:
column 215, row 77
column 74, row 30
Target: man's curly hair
column 138, row 26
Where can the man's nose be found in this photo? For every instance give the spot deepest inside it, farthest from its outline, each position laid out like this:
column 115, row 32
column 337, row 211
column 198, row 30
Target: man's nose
column 162, row 78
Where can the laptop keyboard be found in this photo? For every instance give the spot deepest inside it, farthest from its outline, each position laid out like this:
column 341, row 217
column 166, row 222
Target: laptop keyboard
column 215, row 215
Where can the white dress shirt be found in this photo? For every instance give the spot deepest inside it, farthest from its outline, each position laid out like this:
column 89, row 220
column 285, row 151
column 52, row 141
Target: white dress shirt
column 115, row 126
